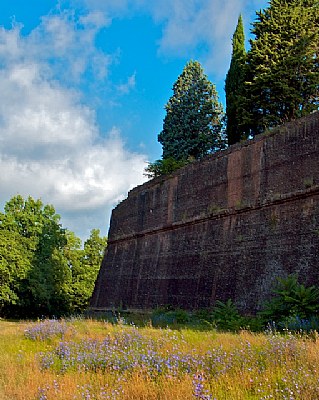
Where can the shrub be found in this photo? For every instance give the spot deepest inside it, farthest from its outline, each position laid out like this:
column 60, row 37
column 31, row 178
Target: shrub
column 164, row 167
column 164, row 317
column 299, row 325
column 226, row 316
column 291, row 299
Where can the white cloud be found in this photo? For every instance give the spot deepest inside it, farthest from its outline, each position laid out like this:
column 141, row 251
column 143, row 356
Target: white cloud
column 207, row 25
column 113, row 8
column 50, row 145
column 87, row 178
column 37, row 112
column 126, row 87
column 64, row 38
column 69, row 40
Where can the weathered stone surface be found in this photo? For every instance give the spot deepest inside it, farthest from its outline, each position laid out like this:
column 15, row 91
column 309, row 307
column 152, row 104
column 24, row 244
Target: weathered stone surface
column 221, row 228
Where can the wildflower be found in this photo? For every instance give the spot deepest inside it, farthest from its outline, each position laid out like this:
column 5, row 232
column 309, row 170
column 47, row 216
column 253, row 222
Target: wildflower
column 199, row 390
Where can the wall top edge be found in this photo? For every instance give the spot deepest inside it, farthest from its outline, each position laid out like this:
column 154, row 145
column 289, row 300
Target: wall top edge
column 265, row 136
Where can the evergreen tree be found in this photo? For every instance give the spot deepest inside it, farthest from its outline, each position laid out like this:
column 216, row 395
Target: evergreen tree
column 283, row 68
column 234, row 87
column 192, row 125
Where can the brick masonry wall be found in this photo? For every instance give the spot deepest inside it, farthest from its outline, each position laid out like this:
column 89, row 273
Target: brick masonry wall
column 221, row 228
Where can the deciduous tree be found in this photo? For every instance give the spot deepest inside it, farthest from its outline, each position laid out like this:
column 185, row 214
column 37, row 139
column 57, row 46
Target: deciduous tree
column 43, row 269
column 86, row 263
column 35, row 237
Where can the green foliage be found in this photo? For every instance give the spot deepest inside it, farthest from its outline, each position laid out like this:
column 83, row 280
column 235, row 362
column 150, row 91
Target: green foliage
column 164, row 167
column 85, row 267
column 15, row 264
column 164, row 317
column 34, row 273
column 43, row 270
column 291, row 299
column 299, row 325
column 192, row 125
column 226, row 316
column 283, row 69
column 234, row 87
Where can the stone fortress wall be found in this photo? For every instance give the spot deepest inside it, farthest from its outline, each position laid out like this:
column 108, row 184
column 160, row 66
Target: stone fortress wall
column 221, row 228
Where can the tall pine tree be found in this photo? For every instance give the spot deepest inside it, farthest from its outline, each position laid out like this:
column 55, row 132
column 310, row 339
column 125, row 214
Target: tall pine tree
column 192, row 125
column 283, row 68
column 234, row 87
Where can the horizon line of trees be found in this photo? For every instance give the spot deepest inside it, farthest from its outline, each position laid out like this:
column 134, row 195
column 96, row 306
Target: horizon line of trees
column 275, row 81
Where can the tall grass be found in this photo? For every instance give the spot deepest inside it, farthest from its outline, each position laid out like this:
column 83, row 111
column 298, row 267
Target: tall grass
column 86, row 359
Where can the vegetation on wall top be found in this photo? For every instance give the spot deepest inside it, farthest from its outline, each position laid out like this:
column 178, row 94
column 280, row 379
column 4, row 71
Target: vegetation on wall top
column 276, row 81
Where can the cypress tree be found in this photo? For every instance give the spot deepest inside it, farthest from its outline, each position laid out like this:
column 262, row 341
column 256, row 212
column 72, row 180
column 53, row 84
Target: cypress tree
column 234, row 87
column 192, row 125
column 283, row 69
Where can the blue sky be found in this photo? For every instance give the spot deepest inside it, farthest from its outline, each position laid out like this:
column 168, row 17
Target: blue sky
column 84, row 84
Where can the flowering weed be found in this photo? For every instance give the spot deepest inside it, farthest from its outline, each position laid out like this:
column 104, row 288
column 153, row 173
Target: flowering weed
column 101, row 361
column 46, row 329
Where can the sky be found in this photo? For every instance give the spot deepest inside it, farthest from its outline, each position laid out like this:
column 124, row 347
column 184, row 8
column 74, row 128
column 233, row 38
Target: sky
column 83, row 87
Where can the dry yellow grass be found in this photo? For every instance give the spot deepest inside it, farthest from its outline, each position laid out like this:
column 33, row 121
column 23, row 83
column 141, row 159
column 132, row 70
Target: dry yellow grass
column 228, row 366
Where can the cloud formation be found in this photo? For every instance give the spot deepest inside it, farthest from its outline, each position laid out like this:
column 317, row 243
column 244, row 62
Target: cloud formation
column 126, row 87
column 203, row 24
column 206, row 24
column 50, row 145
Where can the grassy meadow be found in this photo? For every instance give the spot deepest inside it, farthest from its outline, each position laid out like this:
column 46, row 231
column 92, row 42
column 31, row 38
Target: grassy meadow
column 87, row 359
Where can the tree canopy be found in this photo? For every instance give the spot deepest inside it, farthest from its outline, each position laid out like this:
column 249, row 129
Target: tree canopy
column 192, row 125
column 234, row 87
column 282, row 81
column 43, row 269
